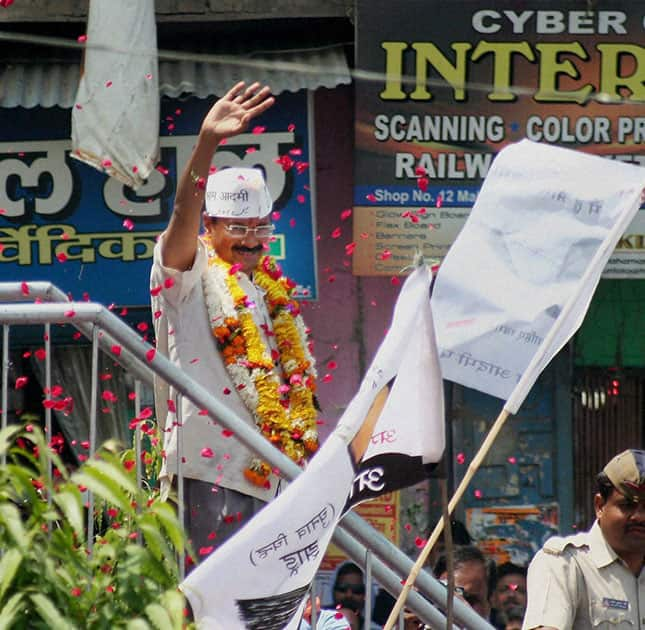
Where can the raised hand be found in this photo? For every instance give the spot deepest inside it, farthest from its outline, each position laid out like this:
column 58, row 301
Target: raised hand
column 231, row 114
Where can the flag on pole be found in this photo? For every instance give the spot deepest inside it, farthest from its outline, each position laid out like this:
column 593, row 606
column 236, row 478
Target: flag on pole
column 517, row 282
column 276, row 555
column 115, row 120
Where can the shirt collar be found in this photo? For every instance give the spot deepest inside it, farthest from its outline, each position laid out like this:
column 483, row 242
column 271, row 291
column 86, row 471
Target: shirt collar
column 601, row 552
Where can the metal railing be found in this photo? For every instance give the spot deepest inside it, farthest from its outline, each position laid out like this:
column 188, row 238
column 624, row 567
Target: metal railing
column 361, row 542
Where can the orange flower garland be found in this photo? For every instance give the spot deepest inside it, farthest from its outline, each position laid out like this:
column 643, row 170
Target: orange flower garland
column 282, row 403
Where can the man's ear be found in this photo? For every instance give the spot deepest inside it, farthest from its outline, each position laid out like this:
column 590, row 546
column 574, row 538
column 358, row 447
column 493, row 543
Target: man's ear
column 598, row 504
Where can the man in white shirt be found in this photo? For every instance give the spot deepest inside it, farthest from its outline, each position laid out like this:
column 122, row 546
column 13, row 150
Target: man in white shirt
column 596, row 579
column 224, row 314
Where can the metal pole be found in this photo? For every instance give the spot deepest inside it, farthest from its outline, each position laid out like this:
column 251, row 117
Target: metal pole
column 5, row 382
column 92, row 449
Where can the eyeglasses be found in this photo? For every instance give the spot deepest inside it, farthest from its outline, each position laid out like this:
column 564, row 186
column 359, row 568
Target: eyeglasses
column 356, row 589
column 242, row 231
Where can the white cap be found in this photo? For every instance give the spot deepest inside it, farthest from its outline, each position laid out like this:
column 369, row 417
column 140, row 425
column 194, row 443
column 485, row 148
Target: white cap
column 237, row 193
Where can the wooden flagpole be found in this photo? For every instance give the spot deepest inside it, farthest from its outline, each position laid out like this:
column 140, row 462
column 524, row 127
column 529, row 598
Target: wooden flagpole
column 470, row 473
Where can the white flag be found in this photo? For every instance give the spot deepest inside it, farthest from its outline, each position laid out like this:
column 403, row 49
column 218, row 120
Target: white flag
column 115, row 120
column 517, row 282
column 276, row 555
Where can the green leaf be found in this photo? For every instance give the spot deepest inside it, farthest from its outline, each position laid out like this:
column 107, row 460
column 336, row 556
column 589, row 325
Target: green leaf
column 138, row 624
column 9, row 611
column 71, row 505
column 49, row 613
column 103, row 486
column 8, row 437
column 174, row 602
column 112, row 467
column 8, row 566
column 159, row 616
column 10, row 516
column 167, row 516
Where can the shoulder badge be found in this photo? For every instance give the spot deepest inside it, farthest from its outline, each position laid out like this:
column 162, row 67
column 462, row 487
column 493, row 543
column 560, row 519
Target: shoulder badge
column 557, row 544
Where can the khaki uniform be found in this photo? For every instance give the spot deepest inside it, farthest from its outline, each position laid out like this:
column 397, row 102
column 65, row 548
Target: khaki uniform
column 579, row 583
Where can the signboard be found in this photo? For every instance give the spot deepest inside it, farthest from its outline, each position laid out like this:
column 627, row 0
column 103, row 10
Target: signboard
column 64, row 222
column 438, row 103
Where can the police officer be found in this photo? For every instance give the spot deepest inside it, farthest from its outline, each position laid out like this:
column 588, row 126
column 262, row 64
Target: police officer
column 596, row 579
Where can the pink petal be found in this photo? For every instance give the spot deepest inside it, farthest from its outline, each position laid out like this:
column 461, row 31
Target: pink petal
column 128, row 225
column 150, row 355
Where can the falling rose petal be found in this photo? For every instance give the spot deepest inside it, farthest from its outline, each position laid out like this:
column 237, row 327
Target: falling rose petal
column 85, row 444
column 207, row 452
column 234, row 269
column 332, row 365
column 301, row 167
column 21, row 381
column 157, row 314
column 327, row 378
column 171, row 406
column 195, row 360
column 142, row 326
column 291, row 128
column 227, row 433
column 385, row 254
column 345, row 214
column 204, row 551
column 70, row 313
column 116, row 349
column 295, row 151
column 24, row 288
column 275, row 216
column 421, row 211
column 422, row 183
column 512, row 460
column 162, row 169
column 259, row 129
column 371, row 198
column 478, row 494
column 132, row 395
column 439, row 201
column 364, row 235
column 301, row 198
column 61, row 257
column 408, row 527
column 108, row 84
column 336, row 233
column 150, row 355
column 135, row 169
column 292, row 223
column 349, row 248
column 40, row 354
column 106, row 163
column 146, row 413
column 251, row 150
column 155, row 291
column 461, row 458
column 149, row 76
column 331, row 279
column 226, row 391
column 419, row 171
column 420, row 542
column 395, row 281
column 128, row 224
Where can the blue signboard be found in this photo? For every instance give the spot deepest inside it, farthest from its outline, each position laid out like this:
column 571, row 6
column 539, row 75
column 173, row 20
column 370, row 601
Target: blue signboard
column 64, row 222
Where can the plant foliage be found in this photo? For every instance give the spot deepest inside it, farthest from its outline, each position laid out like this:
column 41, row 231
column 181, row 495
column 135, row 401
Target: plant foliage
column 51, row 577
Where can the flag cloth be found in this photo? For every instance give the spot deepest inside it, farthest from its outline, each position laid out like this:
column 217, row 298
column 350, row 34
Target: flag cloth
column 115, row 120
column 276, row 555
column 517, row 282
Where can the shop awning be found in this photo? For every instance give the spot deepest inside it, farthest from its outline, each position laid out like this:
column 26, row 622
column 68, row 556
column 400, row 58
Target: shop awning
column 54, row 84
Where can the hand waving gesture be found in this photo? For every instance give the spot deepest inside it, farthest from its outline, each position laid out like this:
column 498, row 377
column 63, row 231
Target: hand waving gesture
column 231, row 114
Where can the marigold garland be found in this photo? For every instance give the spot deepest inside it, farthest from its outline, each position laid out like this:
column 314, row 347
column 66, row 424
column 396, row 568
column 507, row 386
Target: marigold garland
column 282, row 404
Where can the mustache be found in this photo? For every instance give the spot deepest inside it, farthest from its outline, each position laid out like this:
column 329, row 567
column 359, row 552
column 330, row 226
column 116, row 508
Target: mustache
column 248, row 250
